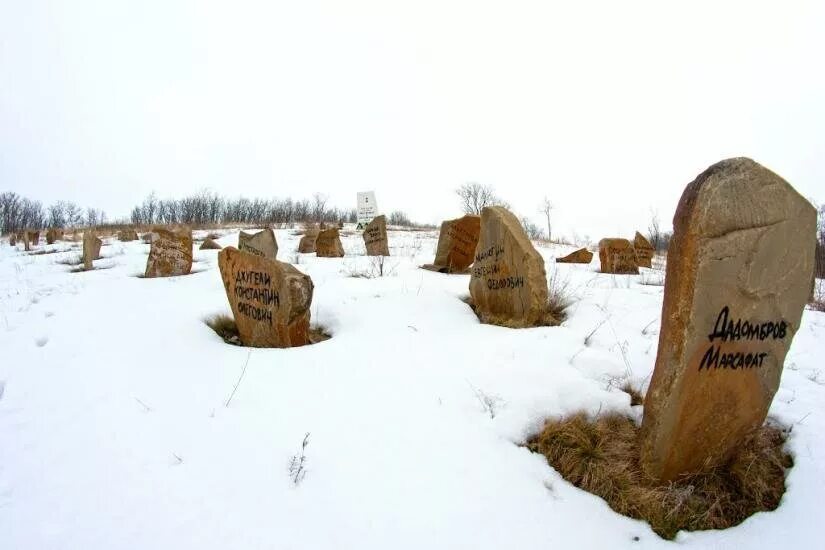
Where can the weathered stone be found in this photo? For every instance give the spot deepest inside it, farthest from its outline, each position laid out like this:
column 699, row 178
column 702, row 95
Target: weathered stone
column 375, row 237
column 617, row 256
column 210, row 244
column 91, row 248
column 580, row 256
column 127, row 235
column 457, row 243
column 12, row 240
column 26, row 241
column 262, row 243
column 148, row 237
column 307, row 243
column 34, row 238
column 328, row 244
column 738, row 277
column 270, row 299
column 53, row 234
column 508, row 285
column 644, row 251
column 171, row 253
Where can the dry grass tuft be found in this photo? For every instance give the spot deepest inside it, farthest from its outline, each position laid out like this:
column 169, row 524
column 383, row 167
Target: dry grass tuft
column 225, row 327
column 601, row 456
column 636, row 396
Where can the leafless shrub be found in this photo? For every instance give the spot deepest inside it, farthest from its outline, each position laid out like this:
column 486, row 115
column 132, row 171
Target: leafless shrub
column 297, row 464
column 475, row 196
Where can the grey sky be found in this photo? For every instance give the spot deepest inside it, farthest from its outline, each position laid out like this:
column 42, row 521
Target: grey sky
column 609, row 108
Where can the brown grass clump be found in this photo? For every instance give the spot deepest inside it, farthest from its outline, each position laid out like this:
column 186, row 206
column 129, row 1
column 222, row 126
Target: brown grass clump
column 636, row 395
column 601, row 456
column 225, row 327
column 552, row 316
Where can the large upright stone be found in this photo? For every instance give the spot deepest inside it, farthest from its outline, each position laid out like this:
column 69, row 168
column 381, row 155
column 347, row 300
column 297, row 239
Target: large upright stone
column 307, row 242
column 26, row 241
column 508, row 284
column 738, row 277
column 644, row 251
column 456, row 247
column 580, row 256
column 53, row 234
column 618, row 256
column 171, row 253
column 262, row 243
column 270, row 299
column 91, row 249
column 328, row 244
column 34, row 237
column 375, row 237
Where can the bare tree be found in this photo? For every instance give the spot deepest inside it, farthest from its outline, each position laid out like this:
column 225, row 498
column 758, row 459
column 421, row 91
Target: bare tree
column 654, row 232
column 319, row 206
column 475, row 196
column 546, row 209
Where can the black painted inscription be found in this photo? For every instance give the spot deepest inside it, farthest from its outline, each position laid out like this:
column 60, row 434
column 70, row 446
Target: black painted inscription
column 256, row 298
column 727, row 330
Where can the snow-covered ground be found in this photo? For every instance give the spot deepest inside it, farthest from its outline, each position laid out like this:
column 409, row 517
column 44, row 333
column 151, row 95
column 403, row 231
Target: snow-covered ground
column 114, row 433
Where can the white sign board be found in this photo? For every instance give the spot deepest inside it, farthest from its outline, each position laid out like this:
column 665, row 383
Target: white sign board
column 367, row 207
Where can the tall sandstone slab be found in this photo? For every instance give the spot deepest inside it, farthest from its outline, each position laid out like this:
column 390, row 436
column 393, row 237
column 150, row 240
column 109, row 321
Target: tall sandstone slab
column 328, row 244
column 618, row 256
column 738, row 277
column 457, row 243
column 375, row 237
column 270, row 299
column 170, row 254
column 508, row 284
column 644, row 250
column 91, row 249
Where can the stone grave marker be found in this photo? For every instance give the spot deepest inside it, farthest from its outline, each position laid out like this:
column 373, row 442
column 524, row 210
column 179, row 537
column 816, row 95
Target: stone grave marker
column 738, row 278
column 210, row 244
column 91, row 249
column 618, row 256
column 26, row 242
column 53, row 235
column 580, row 256
column 262, row 243
column 12, row 240
column 307, row 243
column 270, row 299
column 171, row 253
column 508, row 284
column 644, row 251
column 457, row 243
column 375, row 237
column 328, row 244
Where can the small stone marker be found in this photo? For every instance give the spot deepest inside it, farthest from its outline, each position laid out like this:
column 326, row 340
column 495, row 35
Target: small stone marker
column 508, row 284
column 34, row 237
column 262, row 243
column 171, row 253
column 26, row 242
column 210, row 244
column 328, row 244
column 270, row 299
column 12, row 240
column 644, row 251
column 91, row 249
column 148, row 237
column 738, row 278
column 307, row 243
column 53, row 235
column 457, row 243
column 127, row 235
column 580, row 256
column 618, row 256
column 375, row 237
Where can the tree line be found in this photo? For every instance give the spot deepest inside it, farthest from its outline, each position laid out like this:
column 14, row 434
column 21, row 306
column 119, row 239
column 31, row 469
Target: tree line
column 204, row 208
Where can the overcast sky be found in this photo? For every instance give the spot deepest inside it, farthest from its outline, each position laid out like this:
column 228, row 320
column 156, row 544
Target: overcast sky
column 609, row 108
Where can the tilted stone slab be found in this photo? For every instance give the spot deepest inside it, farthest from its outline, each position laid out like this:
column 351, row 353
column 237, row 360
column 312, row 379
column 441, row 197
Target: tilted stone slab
column 738, row 278
column 270, row 299
column 508, row 284
column 171, row 253
column 262, row 243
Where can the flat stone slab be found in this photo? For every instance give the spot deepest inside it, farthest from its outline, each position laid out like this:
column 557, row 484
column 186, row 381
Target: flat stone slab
column 171, row 253
column 262, row 243
column 375, row 237
column 618, row 256
column 457, row 243
column 580, row 256
column 328, row 244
